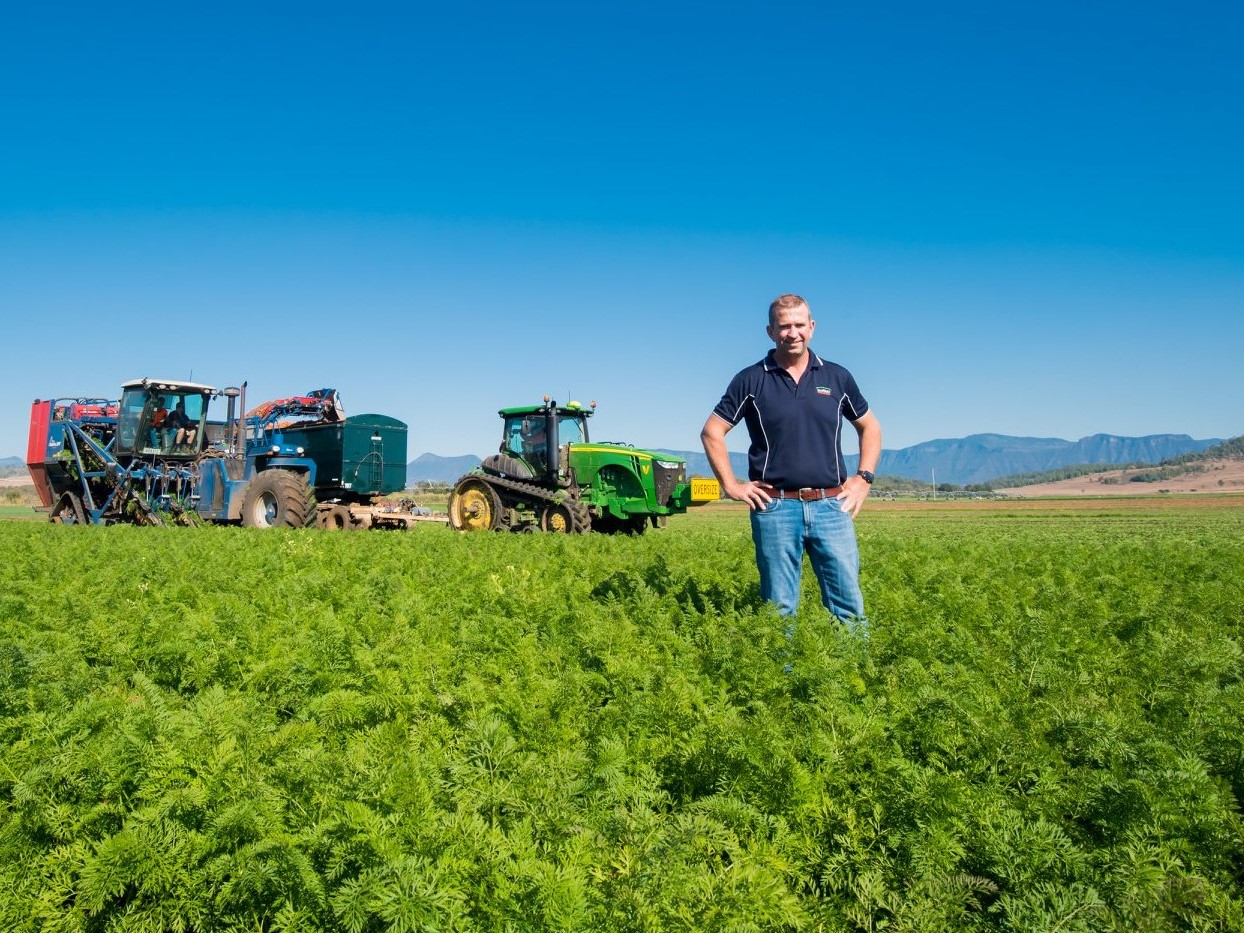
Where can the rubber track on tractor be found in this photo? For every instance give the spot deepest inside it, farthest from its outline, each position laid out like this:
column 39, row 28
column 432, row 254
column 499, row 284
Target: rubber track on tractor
column 578, row 510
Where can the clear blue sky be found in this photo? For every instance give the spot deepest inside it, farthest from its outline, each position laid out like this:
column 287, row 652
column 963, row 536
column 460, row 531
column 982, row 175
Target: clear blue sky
column 1014, row 218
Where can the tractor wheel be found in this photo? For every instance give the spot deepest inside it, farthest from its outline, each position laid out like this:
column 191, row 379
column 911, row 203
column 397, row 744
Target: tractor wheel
column 558, row 519
column 335, row 518
column 278, row 499
column 474, row 506
column 68, row 510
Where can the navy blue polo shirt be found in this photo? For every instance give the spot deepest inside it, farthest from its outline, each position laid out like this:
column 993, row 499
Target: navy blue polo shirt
column 796, row 429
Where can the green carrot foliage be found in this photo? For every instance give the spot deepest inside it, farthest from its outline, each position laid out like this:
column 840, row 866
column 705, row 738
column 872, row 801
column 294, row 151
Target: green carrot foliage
column 208, row 729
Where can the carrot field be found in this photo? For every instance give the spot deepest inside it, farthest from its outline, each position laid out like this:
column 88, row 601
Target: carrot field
column 209, row 729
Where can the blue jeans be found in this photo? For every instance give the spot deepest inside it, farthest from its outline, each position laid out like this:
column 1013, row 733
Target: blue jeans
column 783, row 530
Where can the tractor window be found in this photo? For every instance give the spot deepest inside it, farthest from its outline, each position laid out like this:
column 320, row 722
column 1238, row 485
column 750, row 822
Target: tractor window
column 182, row 427
column 195, row 409
column 524, row 437
column 512, row 437
column 571, row 429
column 163, row 423
column 134, row 412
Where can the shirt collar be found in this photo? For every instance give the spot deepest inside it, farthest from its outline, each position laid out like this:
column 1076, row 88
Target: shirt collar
column 770, row 364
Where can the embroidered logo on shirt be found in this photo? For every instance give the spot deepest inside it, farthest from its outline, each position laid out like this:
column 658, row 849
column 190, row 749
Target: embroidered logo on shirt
column 824, row 390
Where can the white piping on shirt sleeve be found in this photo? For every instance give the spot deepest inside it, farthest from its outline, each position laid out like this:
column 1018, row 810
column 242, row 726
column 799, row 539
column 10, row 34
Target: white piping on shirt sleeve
column 855, row 408
column 735, row 419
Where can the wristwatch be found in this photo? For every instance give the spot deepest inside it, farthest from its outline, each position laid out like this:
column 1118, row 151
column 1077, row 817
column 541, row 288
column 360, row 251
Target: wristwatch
column 866, row 476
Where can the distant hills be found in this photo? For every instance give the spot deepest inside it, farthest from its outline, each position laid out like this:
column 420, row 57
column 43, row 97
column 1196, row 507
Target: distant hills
column 978, row 458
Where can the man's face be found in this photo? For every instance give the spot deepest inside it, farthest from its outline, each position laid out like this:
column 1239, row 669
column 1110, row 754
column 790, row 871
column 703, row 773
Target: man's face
column 791, row 330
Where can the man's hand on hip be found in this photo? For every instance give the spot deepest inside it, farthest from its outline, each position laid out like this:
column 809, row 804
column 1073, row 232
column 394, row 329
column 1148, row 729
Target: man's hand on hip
column 854, row 492
column 753, row 495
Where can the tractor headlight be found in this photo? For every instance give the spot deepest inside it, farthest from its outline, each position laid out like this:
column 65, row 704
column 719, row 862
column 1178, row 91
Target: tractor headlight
column 300, row 451
column 669, row 464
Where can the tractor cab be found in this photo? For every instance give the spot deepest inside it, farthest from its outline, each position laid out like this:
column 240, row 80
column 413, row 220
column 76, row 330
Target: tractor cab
column 162, row 419
column 534, row 434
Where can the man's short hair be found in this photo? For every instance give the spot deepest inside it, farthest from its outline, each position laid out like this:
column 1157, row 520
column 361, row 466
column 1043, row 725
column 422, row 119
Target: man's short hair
column 785, row 303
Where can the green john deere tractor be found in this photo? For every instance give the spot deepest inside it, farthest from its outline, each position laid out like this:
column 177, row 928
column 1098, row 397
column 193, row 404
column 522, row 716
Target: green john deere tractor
column 548, row 475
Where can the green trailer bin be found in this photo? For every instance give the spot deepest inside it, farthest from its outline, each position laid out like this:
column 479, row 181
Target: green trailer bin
column 364, row 455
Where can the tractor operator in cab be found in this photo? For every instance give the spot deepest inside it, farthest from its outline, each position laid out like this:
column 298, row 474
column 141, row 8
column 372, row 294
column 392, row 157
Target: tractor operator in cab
column 187, row 430
column 159, row 423
column 798, row 489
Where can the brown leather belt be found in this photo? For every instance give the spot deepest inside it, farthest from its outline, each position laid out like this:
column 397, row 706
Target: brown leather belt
column 807, row 494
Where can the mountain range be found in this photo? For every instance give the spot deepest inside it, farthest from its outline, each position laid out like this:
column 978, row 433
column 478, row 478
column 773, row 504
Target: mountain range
column 977, row 458
column 980, row 458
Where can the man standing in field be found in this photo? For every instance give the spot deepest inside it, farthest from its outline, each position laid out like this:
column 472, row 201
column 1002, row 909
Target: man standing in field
column 798, row 490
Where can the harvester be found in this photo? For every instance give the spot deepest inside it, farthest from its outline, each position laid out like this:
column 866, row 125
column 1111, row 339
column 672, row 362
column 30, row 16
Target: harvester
column 548, row 475
column 154, row 457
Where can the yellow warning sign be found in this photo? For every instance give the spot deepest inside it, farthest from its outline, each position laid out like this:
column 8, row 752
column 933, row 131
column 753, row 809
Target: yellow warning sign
column 705, row 490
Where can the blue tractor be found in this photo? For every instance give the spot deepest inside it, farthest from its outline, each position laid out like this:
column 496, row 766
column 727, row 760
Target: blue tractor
column 154, row 456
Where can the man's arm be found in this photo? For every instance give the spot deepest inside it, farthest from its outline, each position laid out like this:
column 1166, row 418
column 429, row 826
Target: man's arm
column 855, row 490
column 713, row 436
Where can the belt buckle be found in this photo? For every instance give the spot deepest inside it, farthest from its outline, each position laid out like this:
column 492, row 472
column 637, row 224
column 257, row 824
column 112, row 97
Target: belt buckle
column 809, row 493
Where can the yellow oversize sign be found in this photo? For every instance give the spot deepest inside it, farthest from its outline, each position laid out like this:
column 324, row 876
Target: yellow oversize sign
column 705, row 490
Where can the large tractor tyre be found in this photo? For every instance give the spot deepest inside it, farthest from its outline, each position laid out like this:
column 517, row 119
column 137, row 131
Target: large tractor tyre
column 557, row 518
column 474, row 506
column 335, row 518
column 68, row 510
column 278, row 499
column 566, row 517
